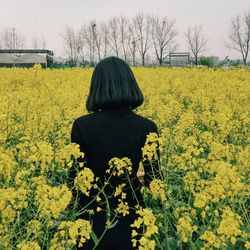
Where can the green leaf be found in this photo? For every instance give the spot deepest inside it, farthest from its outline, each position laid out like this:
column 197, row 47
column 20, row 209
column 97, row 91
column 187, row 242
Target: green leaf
column 199, row 244
column 112, row 225
column 94, row 238
column 170, row 243
column 246, row 228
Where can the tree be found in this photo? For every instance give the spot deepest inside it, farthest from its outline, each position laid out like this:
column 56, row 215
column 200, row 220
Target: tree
column 125, row 36
column 163, row 34
column 98, row 38
column 38, row 43
column 206, row 61
column 239, row 35
column 80, row 41
column 12, row 39
column 141, row 29
column 105, row 39
column 70, row 40
column 114, row 39
column 94, row 34
column 35, row 43
column 89, row 33
column 196, row 40
column 132, row 44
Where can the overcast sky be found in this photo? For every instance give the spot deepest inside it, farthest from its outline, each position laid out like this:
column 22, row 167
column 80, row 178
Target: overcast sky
column 47, row 18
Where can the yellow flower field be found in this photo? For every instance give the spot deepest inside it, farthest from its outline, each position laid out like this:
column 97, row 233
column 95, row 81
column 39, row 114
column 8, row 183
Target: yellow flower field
column 200, row 200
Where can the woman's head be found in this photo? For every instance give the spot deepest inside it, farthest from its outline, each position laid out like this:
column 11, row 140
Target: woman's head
column 113, row 85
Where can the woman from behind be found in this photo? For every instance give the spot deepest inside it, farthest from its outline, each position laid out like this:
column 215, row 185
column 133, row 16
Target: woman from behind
column 112, row 129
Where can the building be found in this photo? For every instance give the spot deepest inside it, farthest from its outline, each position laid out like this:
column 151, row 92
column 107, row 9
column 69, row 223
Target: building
column 26, row 58
column 6, row 60
column 179, row 59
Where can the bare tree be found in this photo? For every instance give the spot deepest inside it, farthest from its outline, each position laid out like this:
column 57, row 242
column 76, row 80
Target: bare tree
column 43, row 43
column 141, row 27
column 125, row 36
column 163, row 34
column 38, row 43
column 98, row 38
column 89, row 33
column 196, row 40
column 114, row 39
column 105, row 39
column 80, row 45
column 12, row 39
column 239, row 35
column 35, row 43
column 132, row 44
column 70, row 43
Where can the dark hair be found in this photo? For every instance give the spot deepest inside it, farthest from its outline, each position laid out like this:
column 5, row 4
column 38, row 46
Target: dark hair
column 113, row 85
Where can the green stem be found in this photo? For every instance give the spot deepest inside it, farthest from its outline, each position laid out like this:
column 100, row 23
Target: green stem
column 82, row 210
column 132, row 187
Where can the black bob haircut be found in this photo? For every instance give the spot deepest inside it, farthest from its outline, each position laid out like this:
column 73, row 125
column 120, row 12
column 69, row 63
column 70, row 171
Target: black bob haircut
column 113, row 86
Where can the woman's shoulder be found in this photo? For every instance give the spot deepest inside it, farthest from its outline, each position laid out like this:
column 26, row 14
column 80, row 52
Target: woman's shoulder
column 147, row 122
column 91, row 118
column 85, row 118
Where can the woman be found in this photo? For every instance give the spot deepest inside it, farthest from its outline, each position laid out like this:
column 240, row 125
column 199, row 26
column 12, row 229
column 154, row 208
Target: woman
column 112, row 129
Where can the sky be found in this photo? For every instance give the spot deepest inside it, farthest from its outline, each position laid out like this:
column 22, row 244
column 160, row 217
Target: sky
column 47, row 18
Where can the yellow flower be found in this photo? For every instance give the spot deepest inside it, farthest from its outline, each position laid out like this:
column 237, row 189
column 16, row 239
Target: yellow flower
column 70, row 231
column 137, row 223
column 203, row 214
column 149, row 150
column 118, row 189
column 34, row 227
column 185, row 227
column 212, row 240
column 51, row 201
column 123, row 208
column 247, row 245
column 157, row 189
column 28, row 245
column 119, row 165
column 83, row 180
column 147, row 220
column 98, row 209
column 134, row 233
column 98, row 198
column 230, row 224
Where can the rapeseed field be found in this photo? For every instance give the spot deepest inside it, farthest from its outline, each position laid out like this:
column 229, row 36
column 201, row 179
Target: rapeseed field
column 201, row 197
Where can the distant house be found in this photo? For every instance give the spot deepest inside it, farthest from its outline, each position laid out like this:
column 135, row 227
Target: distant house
column 26, row 58
column 6, row 60
column 179, row 58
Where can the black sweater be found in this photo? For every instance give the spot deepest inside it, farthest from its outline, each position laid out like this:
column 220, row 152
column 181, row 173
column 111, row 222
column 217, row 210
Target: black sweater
column 102, row 135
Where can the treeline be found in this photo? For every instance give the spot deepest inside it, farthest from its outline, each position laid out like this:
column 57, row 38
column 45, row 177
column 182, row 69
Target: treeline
column 139, row 40
column 143, row 37
column 131, row 39
column 11, row 38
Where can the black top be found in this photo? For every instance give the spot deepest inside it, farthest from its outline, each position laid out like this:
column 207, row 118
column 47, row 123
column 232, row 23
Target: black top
column 102, row 135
